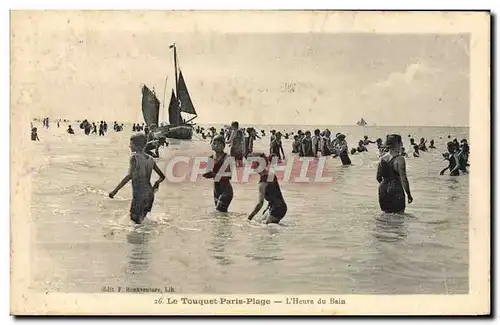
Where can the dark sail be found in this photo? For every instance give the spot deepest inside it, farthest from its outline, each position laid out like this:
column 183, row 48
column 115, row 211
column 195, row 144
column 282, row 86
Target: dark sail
column 174, row 114
column 150, row 106
column 183, row 95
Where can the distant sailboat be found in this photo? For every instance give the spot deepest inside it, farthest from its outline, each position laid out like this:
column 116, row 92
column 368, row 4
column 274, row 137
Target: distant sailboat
column 362, row 122
column 150, row 106
column 180, row 101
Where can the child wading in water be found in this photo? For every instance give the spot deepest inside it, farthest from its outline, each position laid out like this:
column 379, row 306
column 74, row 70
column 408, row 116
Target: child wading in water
column 269, row 190
column 223, row 191
column 140, row 170
column 34, row 135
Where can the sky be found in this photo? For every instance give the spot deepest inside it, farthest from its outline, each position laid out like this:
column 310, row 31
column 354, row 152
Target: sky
column 71, row 69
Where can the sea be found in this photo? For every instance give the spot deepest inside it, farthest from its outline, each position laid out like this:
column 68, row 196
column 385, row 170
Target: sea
column 334, row 238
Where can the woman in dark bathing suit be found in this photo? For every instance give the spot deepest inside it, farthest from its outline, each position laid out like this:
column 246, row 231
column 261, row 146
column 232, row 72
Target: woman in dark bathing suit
column 270, row 191
column 223, row 191
column 391, row 175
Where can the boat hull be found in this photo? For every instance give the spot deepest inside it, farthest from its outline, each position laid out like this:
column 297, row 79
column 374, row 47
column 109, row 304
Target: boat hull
column 183, row 132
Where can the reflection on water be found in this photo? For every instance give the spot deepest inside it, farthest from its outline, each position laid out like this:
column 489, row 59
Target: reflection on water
column 390, row 227
column 333, row 239
column 267, row 246
column 221, row 235
column 139, row 252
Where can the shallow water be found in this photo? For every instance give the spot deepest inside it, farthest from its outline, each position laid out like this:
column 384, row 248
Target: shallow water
column 334, row 238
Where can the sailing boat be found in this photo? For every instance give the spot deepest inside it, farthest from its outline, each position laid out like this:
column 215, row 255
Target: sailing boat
column 180, row 101
column 362, row 122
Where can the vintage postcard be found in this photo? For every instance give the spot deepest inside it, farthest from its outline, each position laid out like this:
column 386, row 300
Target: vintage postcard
column 250, row 162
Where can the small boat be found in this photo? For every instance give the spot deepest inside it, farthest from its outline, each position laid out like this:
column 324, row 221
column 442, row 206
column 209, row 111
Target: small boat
column 362, row 122
column 180, row 101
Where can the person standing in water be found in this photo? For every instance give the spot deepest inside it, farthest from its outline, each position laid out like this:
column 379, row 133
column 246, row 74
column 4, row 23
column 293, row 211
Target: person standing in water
column 296, row 144
column 237, row 142
column 306, row 147
column 223, row 191
column 343, row 150
column 34, row 135
column 453, row 160
column 140, row 170
column 70, row 130
column 273, row 134
column 465, row 150
column 317, row 142
column 87, row 127
column 277, row 147
column 326, row 143
column 252, row 135
column 101, row 129
column 431, row 144
column 269, row 190
column 392, row 179
column 380, row 146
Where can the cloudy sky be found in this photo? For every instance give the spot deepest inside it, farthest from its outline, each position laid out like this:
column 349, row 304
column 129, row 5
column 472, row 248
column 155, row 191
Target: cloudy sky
column 77, row 71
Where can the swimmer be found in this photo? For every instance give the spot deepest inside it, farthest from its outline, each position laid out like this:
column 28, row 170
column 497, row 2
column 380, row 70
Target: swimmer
column 155, row 145
column 416, row 154
column 269, row 190
column 70, row 130
column 366, row 141
column 431, row 145
column 422, row 146
column 223, row 191
column 361, row 146
column 140, row 170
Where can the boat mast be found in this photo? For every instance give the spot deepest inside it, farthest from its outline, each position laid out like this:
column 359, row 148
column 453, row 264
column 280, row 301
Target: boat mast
column 164, row 91
column 175, row 67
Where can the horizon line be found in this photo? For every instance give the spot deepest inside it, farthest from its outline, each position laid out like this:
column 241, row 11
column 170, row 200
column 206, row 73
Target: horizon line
column 313, row 125
column 342, row 125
